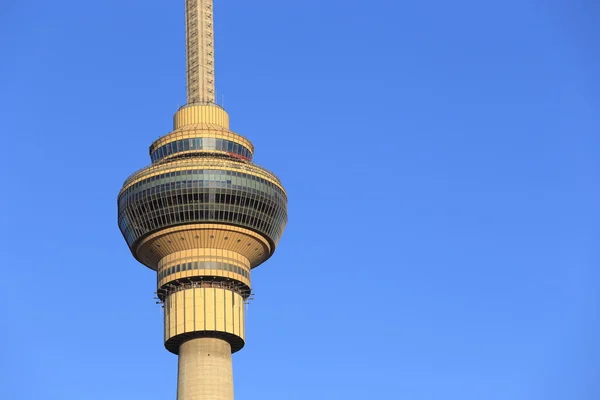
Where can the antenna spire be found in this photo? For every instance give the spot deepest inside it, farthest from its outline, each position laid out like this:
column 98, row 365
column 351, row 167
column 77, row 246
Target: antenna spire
column 200, row 51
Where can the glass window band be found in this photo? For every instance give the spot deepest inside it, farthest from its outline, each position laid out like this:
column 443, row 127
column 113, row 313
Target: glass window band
column 204, row 143
column 203, row 265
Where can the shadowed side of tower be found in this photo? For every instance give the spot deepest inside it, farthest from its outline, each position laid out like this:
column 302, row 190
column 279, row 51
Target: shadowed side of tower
column 202, row 215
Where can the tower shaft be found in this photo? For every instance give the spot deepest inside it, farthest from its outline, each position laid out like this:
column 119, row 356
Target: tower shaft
column 200, row 51
column 205, row 371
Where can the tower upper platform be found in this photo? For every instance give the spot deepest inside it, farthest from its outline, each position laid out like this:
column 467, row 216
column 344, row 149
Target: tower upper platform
column 201, row 129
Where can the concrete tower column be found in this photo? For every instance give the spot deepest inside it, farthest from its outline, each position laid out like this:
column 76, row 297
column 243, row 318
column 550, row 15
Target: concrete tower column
column 205, row 371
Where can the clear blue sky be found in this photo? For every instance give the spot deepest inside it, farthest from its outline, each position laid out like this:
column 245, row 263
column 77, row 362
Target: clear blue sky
column 441, row 161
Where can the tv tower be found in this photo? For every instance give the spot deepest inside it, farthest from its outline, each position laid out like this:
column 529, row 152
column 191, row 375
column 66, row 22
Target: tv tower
column 202, row 216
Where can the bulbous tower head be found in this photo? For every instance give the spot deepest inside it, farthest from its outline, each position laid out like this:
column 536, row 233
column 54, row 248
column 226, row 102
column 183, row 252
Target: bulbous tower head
column 201, row 174
column 202, row 215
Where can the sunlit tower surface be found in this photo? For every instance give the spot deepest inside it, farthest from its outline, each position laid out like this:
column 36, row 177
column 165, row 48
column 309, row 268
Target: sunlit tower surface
column 202, row 216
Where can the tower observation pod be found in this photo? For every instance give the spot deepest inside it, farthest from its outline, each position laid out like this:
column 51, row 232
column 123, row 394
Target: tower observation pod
column 202, row 216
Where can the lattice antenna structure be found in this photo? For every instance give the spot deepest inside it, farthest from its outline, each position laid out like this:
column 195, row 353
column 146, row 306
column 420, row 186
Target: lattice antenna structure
column 200, row 51
column 202, row 215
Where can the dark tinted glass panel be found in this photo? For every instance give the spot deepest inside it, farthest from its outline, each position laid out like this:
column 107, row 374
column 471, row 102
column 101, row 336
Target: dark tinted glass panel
column 219, row 266
column 199, row 144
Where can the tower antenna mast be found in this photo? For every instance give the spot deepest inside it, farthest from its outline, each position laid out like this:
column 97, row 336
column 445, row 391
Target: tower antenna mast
column 200, row 51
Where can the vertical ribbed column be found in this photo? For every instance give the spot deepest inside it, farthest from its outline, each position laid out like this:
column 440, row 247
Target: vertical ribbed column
column 205, row 370
column 204, row 312
column 200, row 51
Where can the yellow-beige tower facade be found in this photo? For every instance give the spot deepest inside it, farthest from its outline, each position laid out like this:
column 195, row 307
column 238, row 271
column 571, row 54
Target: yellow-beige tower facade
column 202, row 216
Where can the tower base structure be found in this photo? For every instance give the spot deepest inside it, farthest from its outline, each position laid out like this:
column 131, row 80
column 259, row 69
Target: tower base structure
column 205, row 370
